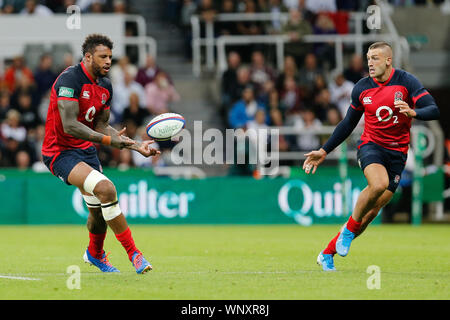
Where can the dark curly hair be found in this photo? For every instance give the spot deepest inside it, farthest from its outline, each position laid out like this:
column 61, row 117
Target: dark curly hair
column 94, row 40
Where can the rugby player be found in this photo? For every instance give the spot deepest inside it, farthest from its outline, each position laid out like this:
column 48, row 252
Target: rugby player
column 389, row 98
column 77, row 117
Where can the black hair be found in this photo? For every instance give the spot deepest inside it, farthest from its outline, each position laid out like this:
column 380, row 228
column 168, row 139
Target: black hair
column 94, row 40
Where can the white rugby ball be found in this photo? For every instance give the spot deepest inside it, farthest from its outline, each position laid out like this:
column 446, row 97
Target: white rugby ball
column 165, row 126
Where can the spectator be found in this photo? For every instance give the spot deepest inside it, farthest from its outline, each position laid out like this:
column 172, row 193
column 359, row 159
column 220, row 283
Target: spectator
column 332, row 119
column 25, row 86
column 23, row 160
column 296, row 28
column 243, row 80
column 12, row 6
column 264, row 94
column 260, row 72
column 122, row 92
column 159, row 94
column 275, row 8
column 118, row 70
column 316, row 6
column 207, row 10
column 44, row 76
column 33, row 7
column 97, row 6
column 14, row 73
column 341, row 91
column 356, row 69
column 227, row 27
column 249, row 27
column 289, row 70
column 229, row 82
column 324, row 25
column 134, row 112
column 318, row 85
column 148, row 73
column 244, row 110
column 120, row 7
column 322, row 104
column 308, row 74
column 276, row 109
column 11, row 127
column 291, row 96
column 308, row 141
column 5, row 104
column 29, row 115
column 86, row 5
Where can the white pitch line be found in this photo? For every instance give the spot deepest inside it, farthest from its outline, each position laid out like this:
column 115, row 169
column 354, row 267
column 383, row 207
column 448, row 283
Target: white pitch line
column 19, row 278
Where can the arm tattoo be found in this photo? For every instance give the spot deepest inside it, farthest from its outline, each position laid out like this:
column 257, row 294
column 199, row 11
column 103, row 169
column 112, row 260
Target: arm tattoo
column 68, row 111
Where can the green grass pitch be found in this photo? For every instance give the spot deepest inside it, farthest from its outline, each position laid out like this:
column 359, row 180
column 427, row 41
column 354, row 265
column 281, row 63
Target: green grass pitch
column 228, row 262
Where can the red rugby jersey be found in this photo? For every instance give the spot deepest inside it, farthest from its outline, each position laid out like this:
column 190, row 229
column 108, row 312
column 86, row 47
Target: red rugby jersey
column 384, row 124
column 74, row 84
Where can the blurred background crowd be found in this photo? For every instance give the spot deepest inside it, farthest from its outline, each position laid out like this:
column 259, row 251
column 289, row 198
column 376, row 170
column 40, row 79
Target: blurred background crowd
column 254, row 94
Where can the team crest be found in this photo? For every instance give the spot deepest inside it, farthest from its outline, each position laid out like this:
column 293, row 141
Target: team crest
column 398, row 96
column 104, row 97
column 397, row 179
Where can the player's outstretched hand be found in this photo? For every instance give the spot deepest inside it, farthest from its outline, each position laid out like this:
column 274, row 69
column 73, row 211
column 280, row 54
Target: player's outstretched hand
column 144, row 149
column 313, row 159
column 120, row 140
column 404, row 108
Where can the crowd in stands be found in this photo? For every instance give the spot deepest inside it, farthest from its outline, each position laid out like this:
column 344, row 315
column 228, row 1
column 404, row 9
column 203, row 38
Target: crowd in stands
column 138, row 95
column 256, row 95
column 50, row 7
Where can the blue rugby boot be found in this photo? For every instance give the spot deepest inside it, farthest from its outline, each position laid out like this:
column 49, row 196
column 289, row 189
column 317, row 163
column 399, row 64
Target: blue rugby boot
column 103, row 263
column 140, row 264
column 344, row 241
column 326, row 261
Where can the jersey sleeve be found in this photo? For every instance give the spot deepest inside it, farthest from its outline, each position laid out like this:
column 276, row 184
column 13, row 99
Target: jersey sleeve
column 355, row 102
column 109, row 101
column 418, row 94
column 67, row 88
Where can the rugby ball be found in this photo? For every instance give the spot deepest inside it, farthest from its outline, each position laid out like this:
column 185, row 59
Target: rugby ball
column 165, row 126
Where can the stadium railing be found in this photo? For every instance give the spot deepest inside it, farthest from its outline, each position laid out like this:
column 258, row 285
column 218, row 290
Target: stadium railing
column 57, row 30
column 357, row 37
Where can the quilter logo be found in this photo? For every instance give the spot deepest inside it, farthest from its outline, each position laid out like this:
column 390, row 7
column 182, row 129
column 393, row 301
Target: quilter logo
column 138, row 201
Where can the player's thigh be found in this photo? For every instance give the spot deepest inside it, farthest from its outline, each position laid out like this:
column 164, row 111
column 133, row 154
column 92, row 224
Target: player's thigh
column 377, row 177
column 78, row 175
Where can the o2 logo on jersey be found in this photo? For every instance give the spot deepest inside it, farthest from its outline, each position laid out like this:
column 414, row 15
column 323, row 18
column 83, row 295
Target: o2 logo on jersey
column 384, row 118
column 90, row 114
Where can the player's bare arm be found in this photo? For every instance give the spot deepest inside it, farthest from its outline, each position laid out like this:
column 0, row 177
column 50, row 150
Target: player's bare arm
column 69, row 110
column 103, row 126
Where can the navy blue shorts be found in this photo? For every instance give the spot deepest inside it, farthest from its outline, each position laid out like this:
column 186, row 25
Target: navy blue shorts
column 393, row 161
column 61, row 164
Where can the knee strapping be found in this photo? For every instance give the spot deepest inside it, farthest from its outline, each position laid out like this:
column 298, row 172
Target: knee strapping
column 92, row 179
column 111, row 210
column 91, row 201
